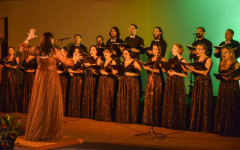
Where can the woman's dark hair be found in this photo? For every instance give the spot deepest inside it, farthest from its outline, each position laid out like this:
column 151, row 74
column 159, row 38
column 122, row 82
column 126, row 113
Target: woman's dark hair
column 117, row 30
column 46, row 46
column 158, row 46
column 160, row 30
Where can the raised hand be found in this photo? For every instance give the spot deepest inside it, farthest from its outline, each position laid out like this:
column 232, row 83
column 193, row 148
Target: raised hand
column 31, row 34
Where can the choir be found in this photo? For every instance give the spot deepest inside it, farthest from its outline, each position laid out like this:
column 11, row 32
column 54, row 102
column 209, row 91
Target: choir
column 105, row 83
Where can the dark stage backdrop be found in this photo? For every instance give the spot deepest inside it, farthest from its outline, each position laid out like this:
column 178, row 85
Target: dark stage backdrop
column 178, row 19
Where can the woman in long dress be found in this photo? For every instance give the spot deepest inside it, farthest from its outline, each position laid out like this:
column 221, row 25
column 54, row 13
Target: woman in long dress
column 201, row 111
column 76, row 87
column 29, row 65
column 45, row 116
column 227, row 112
column 90, row 87
column 10, row 87
column 128, row 98
column 105, row 102
column 153, row 100
column 174, row 103
column 64, row 79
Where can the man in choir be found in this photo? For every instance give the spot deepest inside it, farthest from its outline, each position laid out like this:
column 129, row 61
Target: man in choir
column 229, row 42
column 134, row 41
column 82, row 48
column 115, row 38
column 158, row 38
column 100, row 45
column 201, row 39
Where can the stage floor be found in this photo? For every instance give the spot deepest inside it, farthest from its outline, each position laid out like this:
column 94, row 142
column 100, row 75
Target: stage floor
column 110, row 135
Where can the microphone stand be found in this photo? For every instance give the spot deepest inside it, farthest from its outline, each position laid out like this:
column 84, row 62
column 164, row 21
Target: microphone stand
column 61, row 40
column 152, row 132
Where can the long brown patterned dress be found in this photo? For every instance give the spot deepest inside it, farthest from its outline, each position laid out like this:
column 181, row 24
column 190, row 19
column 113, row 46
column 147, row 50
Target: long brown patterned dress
column 89, row 94
column 10, row 89
column 227, row 112
column 45, row 117
column 28, row 78
column 75, row 92
column 153, row 99
column 105, row 102
column 201, row 112
column 64, row 79
column 174, row 103
column 128, row 98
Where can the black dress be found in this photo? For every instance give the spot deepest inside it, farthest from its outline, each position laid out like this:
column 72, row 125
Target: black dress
column 75, row 92
column 227, row 112
column 153, row 100
column 28, row 78
column 201, row 112
column 64, row 79
column 105, row 102
column 10, row 89
column 174, row 103
column 128, row 98
column 89, row 94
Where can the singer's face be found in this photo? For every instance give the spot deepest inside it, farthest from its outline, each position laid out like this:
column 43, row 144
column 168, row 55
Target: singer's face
column 93, row 51
column 77, row 40
column 99, row 40
column 155, row 50
column 228, row 35
column 175, row 50
column 132, row 30
column 11, row 51
column 107, row 54
column 126, row 55
column 224, row 53
column 156, row 33
column 113, row 33
column 200, row 50
column 200, row 33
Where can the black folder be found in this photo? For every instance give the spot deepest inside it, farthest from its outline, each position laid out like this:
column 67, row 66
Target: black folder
column 218, row 47
column 119, row 68
column 191, row 47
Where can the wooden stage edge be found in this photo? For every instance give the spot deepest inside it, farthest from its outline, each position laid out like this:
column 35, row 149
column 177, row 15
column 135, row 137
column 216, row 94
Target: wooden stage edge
column 20, row 143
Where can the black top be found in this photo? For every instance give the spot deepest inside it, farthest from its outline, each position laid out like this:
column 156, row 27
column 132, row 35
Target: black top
column 135, row 43
column 131, row 68
column 233, row 44
column 83, row 50
column 208, row 44
column 31, row 64
column 100, row 49
column 114, row 47
column 12, row 63
column 163, row 45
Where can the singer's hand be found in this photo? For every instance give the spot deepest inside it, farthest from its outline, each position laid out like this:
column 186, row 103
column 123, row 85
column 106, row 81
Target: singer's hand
column 103, row 72
column 134, row 50
column 150, row 52
column 171, row 72
column 191, row 69
column 216, row 51
column 87, row 64
column 114, row 71
column 31, row 34
column 121, row 48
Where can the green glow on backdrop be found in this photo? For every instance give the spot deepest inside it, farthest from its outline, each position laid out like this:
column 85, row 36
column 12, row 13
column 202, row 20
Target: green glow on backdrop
column 179, row 20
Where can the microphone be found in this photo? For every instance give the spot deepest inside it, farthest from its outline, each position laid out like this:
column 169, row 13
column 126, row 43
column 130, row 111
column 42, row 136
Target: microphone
column 196, row 33
column 63, row 39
